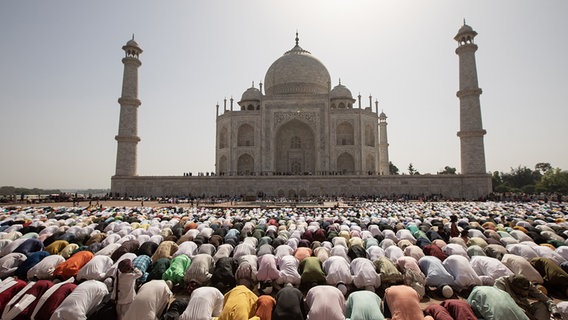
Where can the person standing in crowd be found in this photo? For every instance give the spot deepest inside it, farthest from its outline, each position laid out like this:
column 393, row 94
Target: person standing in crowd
column 124, row 286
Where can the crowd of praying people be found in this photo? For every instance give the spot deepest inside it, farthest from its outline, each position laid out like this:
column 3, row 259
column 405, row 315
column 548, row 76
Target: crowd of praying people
column 378, row 260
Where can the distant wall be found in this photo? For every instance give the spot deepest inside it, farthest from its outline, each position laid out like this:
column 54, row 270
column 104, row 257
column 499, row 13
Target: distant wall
column 469, row 187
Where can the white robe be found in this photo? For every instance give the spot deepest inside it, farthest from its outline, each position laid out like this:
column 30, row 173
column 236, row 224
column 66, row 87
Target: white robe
column 150, row 301
column 461, row 270
column 83, row 299
column 95, row 269
column 337, row 270
column 489, row 269
column 204, row 303
column 364, row 274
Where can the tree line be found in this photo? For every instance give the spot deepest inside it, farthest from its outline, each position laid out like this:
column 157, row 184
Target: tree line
column 10, row 190
column 543, row 178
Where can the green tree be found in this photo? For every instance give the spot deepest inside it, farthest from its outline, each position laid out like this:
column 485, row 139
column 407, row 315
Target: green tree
column 520, row 177
column 542, row 167
column 555, row 180
column 7, row 190
column 448, row 170
column 392, row 168
column 412, row 171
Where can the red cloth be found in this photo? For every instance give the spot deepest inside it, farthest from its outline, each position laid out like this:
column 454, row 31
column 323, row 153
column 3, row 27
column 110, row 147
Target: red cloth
column 71, row 267
column 454, row 232
column 302, row 253
column 7, row 294
column 459, row 309
column 319, row 235
column 264, row 306
column 434, row 250
column 438, row 312
column 36, row 290
column 54, row 301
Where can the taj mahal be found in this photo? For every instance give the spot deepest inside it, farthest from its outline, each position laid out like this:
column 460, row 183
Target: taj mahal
column 296, row 136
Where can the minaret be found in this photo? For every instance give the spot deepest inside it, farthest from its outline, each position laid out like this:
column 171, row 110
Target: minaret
column 383, row 145
column 127, row 137
column 471, row 130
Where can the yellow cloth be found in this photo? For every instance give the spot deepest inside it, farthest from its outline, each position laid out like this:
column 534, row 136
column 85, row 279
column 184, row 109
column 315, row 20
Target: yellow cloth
column 239, row 304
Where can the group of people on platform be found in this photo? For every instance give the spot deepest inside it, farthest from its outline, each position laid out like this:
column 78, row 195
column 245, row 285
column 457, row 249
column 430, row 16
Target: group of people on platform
column 378, row 260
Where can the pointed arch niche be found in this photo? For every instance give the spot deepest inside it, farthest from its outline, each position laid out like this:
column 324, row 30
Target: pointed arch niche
column 295, row 148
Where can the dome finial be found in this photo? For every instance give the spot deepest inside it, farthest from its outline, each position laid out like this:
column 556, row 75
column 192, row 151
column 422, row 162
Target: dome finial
column 464, row 21
column 339, row 81
column 297, row 39
column 133, row 36
column 252, row 84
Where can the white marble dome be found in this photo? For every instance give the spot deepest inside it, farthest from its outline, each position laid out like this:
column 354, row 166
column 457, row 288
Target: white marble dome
column 297, row 72
column 251, row 94
column 340, row 92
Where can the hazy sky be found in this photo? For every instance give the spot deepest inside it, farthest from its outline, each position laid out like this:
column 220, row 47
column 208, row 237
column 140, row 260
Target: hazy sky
column 61, row 76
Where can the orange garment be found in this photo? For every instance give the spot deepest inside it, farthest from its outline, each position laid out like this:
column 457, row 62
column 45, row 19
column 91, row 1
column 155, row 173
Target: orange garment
column 302, row 253
column 404, row 303
column 521, row 228
column 71, row 266
column 264, row 306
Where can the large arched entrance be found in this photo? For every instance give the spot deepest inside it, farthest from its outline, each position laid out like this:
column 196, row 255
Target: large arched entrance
column 222, row 166
column 294, row 149
column 345, row 163
column 245, row 165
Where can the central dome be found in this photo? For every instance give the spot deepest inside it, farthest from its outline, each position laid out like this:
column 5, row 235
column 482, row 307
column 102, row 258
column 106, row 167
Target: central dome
column 297, row 72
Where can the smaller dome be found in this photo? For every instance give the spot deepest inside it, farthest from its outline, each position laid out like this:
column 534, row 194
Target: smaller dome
column 465, row 28
column 465, row 31
column 382, row 115
column 340, row 91
column 251, row 94
column 132, row 43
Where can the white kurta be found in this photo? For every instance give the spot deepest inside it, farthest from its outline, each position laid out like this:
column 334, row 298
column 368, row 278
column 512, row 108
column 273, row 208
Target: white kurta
column 364, row 274
column 44, row 269
column 150, row 301
column 204, row 303
column 95, row 269
column 461, row 270
column 337, row 270
column 85, row 297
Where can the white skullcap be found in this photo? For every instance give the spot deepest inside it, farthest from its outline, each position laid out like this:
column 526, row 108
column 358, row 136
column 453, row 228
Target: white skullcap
column 447, row 291
column 342, row 288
